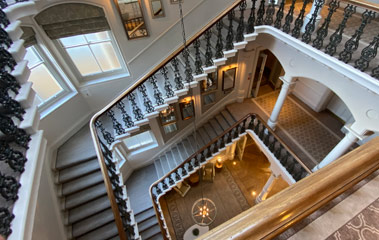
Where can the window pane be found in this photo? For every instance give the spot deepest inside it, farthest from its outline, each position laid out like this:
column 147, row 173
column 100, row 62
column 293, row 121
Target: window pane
column 44, row 84
column 32, row 57
column 84, row 60
column 73, row 41
column 95, row 37
column 105, row 56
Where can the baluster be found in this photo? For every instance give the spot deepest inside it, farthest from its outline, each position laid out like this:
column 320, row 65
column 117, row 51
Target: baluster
column 9, row 187
column 297, row 172
column 311, row 25
column 272, row 144
column 208, row 51
column 243, row 127
column 5, row 39
column 21, row 138
column 167, row 84
column 157, row 94
column 202, row 158
column 6, row 219
column 270, row 13
column 186, row 167
column 261, row 131
column 6, row 59
column 15, row 159
column 177, row 176
column 352, row 44
column 266, row 139
column 215, row 147
column 4, row 21
column 169, row 181
column 158, row 190
column 3, row 4
column 219, row 44
column 375, row 72
column 209, row 152
column 230, row 37
column 241, row 24
column 299, row 21
column 279, row 15
column 235, row 133
column 228, row 138
column 278, row 151
column 146, row 101
column 290, row 164
column 178, row 78
column 198, row 62
column 368, row 53
column 11, row 107
column 222, row 142
column 164, row 185
column 106, row 135
column 260, row 13
column 336, row 37
column 125, row 116
column 289, row 18
column 8, row 82
column 251, row 21
column 116, row 125
column 188, row 70
column 136, row 110
column 322, row 32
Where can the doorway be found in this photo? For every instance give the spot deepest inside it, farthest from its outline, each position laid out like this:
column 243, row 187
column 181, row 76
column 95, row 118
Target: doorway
column 266, row 74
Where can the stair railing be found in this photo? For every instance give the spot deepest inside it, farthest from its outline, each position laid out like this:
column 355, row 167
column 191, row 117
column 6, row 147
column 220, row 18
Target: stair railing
column 251, row 122
column 238, row 20
column 293, row 204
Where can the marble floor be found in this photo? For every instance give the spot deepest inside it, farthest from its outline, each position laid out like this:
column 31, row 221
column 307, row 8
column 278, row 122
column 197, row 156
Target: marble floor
column 234, row 190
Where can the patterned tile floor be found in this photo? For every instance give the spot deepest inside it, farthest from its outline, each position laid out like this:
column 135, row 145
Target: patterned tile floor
column 315, row 139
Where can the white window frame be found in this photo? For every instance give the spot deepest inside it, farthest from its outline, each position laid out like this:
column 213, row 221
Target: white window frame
column 52, row 103
column 96, row 76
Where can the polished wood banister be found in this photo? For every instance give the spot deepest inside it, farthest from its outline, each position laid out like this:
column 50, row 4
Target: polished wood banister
column 365, row 4
column 281, row 211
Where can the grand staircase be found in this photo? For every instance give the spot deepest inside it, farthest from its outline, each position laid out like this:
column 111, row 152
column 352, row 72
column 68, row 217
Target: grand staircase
column 189, row 145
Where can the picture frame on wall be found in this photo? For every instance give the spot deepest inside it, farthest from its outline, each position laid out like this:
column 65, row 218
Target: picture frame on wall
column 175, row 1
column 228, row 79
column 187, row 109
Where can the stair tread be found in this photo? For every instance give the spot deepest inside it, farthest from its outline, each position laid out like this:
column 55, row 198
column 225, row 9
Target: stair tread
column 82, row 183
column 88, row 209
column 104, row 232
column 79, row 148
column 204, row 135
column 150, row 232
column 171, row 160
column 85, row 195
column 164, row 163
column 146, row 214
column 216, row 126
column 194, row 144
column 200, row 139
column 188, row 147
column 211, row 133
column 182, row 151
column 148, row 223
column 158, row 167
column 228, row 117
column 176, row 154
column 76, row 171
column 92, row 222
column 221, row 120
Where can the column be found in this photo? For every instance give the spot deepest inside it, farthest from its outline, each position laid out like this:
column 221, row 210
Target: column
column 342, row 147
column 266, row 189
column 288, row 83
column 308, row 17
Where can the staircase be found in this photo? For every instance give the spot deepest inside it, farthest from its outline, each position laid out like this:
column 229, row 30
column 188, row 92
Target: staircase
column 148, row 225
column 189, row 145
column 82, row 190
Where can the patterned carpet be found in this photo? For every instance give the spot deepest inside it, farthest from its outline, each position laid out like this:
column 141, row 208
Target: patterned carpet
column 364, row 225
column 315, row 139
column 225, row 182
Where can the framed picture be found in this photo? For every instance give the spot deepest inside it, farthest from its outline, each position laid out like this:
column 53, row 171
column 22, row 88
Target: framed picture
column 156, row 8
column 176, row 1
column 132, row 18
column 228, row 79
column 187, row 110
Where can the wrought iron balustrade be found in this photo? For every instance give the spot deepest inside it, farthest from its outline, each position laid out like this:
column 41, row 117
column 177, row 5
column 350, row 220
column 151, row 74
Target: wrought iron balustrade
column 163, row 83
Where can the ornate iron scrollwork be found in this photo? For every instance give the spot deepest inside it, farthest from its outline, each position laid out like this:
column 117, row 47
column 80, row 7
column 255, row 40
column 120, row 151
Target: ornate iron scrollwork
column 230, row 37
column 117, row 127
column 6, row 59
column 9, row 187
column 11, row 107
column 8, row 82
column 208, row 51
column 146, row 101
column 157, row 94
column 351, row 45
column 322, row 32
column 311, row 25
column 289, row 18
column 241, row 22
column 198, row 62
column 136, row 110
column 219, row 44
column 260, row 13
column 251, row 21
column 270, row 13
column 299, row 21
column 279, row 15
column 368, row 53
column 336, row 37
column 167, row 84
column 4, row 38
column 125, row 116
column 15, row 159
column 188, row 70
column 5, row 222
column 106, row 135
column 375, row 72
column 178, row 78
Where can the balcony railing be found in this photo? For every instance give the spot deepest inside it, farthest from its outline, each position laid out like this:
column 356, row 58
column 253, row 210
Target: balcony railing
column 209, row 48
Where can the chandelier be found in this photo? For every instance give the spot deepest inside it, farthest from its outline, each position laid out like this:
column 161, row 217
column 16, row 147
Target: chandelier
column 204, row 211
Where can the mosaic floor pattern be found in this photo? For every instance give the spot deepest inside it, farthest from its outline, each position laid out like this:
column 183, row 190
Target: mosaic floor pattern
column 315, row 139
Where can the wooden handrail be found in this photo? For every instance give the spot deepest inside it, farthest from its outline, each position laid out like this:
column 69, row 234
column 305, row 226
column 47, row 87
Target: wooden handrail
column 365, row 4
column 278, row 213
